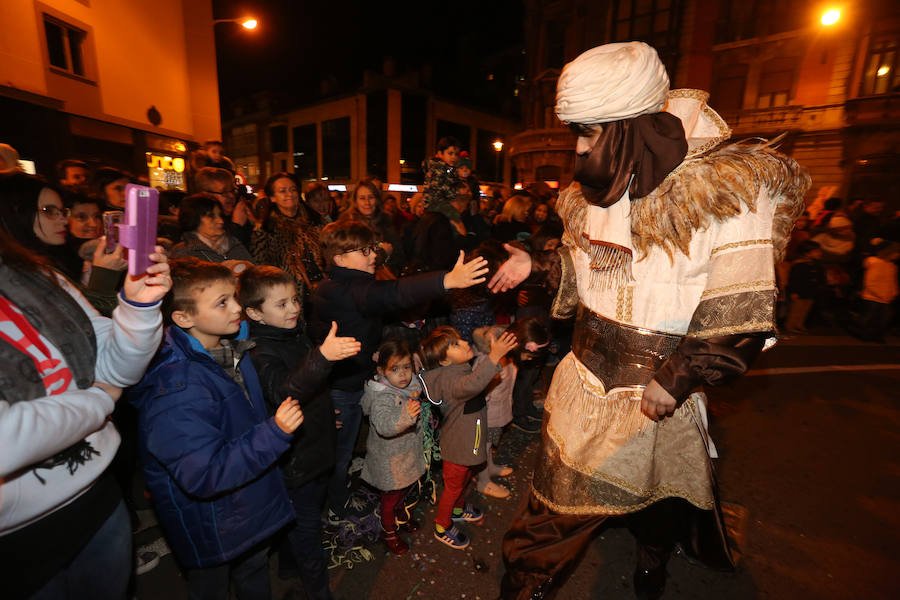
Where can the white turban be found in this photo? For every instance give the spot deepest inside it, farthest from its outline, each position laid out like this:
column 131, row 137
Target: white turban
column 610, row 83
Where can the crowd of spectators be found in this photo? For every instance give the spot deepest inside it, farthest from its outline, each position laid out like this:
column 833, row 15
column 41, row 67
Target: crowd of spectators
column 325, row 278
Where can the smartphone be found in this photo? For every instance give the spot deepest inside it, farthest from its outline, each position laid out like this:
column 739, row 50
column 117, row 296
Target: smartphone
column 111, row 220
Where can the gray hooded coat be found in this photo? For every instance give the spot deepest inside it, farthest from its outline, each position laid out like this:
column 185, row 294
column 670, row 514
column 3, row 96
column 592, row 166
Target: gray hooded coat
column 395, row 454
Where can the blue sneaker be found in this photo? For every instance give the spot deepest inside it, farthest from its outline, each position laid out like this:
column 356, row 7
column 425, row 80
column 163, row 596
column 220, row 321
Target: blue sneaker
column 453, row 537
column 470, row 514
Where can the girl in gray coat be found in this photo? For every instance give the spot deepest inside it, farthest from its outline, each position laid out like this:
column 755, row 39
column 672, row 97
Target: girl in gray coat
column 395, row 455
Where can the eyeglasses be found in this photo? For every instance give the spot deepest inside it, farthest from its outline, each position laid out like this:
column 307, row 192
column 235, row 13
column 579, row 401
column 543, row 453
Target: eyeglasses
column 53, row 212
column 365, row 251
column 231, row 192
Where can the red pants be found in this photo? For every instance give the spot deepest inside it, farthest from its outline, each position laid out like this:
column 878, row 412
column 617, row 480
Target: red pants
column 389, row 501
column 455, row 479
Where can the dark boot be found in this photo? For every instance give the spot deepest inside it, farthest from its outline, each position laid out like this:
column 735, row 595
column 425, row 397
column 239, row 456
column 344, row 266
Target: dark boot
column 394, row 542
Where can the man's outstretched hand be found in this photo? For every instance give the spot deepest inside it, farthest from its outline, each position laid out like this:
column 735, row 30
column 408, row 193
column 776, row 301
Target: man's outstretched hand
column 514, row 271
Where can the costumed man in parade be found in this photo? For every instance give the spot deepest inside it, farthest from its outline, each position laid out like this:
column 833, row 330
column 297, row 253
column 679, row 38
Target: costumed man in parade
column 671, row 237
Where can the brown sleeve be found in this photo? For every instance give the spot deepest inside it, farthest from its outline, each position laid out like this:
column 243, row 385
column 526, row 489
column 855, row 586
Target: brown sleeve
column 710, row 361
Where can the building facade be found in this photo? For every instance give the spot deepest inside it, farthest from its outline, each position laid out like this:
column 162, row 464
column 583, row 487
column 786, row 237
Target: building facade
column 772, row 68
column 385, row 130
column 127, row 84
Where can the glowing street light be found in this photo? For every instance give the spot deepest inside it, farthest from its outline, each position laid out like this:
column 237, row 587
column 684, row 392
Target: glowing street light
column 498, row 146
column 883, row 70
column 831, row 17
column 245, row 22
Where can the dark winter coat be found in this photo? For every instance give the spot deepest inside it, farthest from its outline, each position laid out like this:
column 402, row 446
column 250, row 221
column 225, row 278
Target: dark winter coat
column 464, row 428
column 289, row 365
column 357, row 302
column 208, row 451
column 191, row 245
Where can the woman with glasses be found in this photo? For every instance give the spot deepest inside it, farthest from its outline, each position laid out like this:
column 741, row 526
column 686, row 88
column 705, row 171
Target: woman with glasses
column 289, row 236
column 32, row 211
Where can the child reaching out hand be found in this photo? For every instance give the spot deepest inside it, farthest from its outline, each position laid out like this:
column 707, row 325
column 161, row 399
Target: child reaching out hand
column 289, row 364
column 452, row 381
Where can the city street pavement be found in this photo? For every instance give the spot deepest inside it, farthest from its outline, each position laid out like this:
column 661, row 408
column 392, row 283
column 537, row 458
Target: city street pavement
column 808, row 446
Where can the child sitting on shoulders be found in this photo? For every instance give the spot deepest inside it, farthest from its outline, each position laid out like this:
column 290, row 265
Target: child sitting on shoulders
column 452, row 381
column 395, row 457
column 499, row 399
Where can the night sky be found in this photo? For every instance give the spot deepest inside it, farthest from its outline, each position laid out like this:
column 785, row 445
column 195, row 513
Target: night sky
column 300, row 43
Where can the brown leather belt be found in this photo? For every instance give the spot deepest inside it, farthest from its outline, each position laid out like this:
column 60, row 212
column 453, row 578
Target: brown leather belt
column 620, row 355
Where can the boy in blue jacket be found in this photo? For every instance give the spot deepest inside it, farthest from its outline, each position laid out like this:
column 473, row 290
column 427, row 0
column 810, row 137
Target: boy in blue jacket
column 207, row 446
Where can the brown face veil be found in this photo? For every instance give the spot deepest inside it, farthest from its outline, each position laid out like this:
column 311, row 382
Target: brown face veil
column 648, row 147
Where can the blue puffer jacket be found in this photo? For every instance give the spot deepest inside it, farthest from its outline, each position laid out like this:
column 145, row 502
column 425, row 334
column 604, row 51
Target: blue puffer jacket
column 208, row 454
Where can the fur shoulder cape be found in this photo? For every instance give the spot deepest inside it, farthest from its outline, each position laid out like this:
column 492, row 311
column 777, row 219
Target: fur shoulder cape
column 708, row 189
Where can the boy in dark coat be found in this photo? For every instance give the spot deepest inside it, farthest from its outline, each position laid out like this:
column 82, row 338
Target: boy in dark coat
column 206, row 443
column 289, row 364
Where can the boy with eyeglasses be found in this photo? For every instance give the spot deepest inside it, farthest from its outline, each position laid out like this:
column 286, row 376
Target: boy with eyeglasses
column 352, row 297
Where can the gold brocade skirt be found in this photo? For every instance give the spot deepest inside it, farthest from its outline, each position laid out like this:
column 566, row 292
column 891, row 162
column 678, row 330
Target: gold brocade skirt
column 601, row 456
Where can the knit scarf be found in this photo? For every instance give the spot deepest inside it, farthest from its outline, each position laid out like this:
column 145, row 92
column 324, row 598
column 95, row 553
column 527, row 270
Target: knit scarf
column 38, row 307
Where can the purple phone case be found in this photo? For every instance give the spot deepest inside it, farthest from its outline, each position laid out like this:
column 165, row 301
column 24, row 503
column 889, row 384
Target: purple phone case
column 138, row 232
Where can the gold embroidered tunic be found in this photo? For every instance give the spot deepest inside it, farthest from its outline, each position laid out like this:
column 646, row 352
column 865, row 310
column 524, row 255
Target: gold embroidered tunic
column 700, row 263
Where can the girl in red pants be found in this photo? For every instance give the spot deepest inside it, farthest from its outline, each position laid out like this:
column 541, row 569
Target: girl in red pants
column 395, row 457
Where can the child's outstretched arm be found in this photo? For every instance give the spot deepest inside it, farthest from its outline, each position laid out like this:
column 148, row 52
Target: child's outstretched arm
column 336, row 348
column 501, row 346
column 466, row 274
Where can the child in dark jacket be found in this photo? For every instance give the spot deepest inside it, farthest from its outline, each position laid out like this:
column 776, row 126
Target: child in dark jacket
column 451, row 380
column 352, row 297
column 289, row 365
column 206, row 442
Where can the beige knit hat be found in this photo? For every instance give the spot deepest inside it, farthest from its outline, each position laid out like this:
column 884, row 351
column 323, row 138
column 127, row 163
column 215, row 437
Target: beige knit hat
column 610, row 83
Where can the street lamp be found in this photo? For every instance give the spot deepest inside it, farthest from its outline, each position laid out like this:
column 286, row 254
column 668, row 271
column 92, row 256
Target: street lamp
column 498, row 146
column 245, row 22
column 831, row 17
